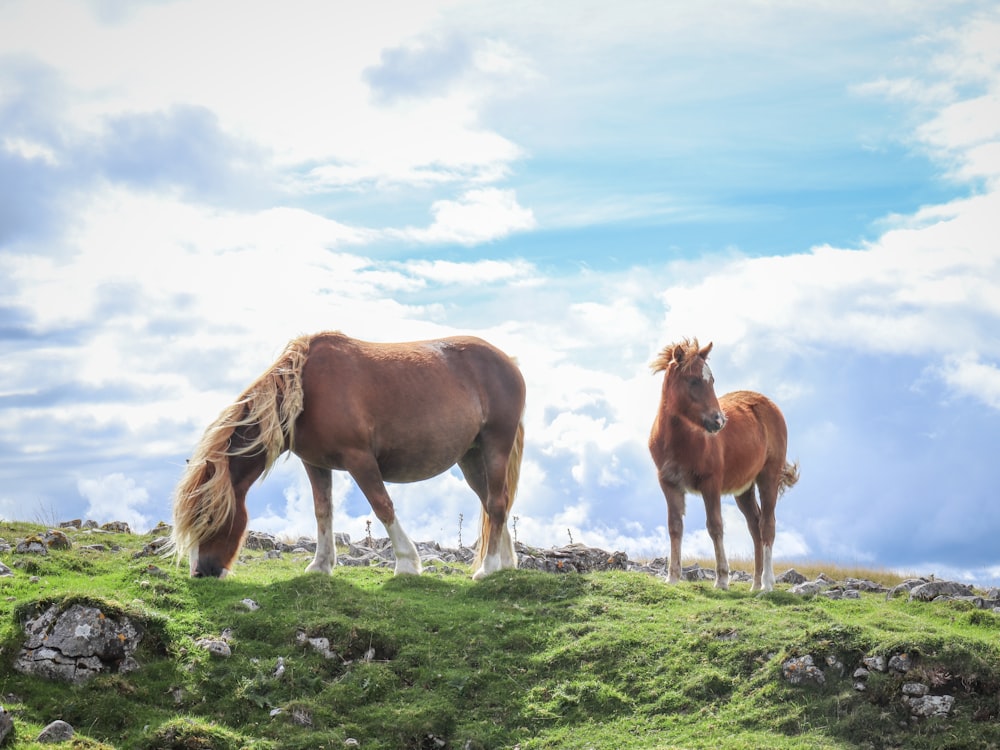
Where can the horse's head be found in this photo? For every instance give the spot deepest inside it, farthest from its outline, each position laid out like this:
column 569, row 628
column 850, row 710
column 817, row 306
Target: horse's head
column 689, row 386
column 215, row 554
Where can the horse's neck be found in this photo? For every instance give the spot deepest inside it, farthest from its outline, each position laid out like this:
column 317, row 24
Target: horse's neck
column 680, row 433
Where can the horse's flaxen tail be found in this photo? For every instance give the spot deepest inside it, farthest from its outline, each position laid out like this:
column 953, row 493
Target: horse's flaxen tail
column 513, row 475
column 265, row 415
column 789, row 476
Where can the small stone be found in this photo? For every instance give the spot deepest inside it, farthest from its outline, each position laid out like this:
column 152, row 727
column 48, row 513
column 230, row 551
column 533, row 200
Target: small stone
column 930, row 705
column 915, row 689
column 802, row 669
column 901, row 663
column 6, row 725
column 875, row 663
column 807, row 588
column 216, row 647
column 57, row 731
column 791, row 576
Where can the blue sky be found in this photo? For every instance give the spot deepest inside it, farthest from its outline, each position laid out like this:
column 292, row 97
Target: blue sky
column 813, row 187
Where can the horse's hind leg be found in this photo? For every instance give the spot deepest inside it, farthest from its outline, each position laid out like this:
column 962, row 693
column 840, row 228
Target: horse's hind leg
column 322, row 490
column 366, row 473
column 768, row 487
column 747, row 502
column 486, row 472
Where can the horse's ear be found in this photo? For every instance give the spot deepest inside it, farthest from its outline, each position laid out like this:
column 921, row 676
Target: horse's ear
column 703, row 353
column 679, row 354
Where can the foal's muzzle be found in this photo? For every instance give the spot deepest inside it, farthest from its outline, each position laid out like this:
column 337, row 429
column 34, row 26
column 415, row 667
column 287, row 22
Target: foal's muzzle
column 714, row 422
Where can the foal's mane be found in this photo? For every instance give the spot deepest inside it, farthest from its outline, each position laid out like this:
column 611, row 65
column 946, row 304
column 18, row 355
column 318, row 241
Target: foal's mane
column 204, row 498
column 689, row 351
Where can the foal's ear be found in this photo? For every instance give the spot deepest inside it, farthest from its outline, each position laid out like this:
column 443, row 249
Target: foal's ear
column 703, row 353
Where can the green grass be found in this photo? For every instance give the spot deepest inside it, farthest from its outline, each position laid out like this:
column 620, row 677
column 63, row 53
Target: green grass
column 609, row 660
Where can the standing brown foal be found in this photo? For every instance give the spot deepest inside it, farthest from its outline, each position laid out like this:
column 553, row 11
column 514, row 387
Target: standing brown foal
column 714, row 447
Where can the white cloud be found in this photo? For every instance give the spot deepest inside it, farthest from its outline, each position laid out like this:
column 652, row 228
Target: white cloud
column 968, row 375
column 478, row 216
column 470, row 273
column 115, row 497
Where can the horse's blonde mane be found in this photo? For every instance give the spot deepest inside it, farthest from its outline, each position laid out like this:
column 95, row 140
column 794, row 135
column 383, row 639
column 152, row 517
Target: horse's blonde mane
column 689, row 349
column 204, row 498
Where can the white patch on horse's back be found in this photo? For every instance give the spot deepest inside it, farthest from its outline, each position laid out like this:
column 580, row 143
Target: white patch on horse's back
column 438, row 347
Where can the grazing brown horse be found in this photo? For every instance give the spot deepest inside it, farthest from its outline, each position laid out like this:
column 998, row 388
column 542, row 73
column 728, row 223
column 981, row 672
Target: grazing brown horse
column 718, row 447
column 382, row 413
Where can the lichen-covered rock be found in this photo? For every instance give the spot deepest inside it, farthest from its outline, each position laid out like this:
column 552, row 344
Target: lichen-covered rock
column 77, row 644
column 901, row 663
column 926, row 706
column 802, row 670
column 572, row 558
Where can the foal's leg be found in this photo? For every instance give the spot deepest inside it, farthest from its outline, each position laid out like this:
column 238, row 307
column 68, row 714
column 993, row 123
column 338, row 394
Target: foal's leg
column 322, row 489
column 768, row 487
column 675, row 527
column 364, row 470
column 747, row 502
column 713, row 521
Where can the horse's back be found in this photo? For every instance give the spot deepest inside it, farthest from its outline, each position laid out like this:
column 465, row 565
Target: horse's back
column 417, row 405
column 754, row 423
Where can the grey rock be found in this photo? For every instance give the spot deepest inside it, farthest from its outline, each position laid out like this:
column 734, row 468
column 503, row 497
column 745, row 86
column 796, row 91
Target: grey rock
column 901, row 663
column 57, row 731
column 806, row 588
column 77, row 644
column 791, row 576
column 801, row 670
column 875, row 663
column 931, row 590
column 217, row 647
column 927, row 706
column 6, row 725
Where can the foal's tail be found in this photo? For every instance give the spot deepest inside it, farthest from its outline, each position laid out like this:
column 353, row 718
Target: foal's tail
column 789, row 476
column 260, row 422
column 513, row 475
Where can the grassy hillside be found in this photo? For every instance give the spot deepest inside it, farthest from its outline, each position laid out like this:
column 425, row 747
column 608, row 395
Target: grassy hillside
column 522, row 659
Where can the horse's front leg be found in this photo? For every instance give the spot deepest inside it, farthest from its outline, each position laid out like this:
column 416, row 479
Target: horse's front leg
column 366, row 473
column 321, row 480
column 713, row 521
column 675, row 527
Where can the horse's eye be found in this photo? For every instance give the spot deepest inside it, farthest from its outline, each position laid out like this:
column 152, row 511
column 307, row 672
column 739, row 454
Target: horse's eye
column 695, row 382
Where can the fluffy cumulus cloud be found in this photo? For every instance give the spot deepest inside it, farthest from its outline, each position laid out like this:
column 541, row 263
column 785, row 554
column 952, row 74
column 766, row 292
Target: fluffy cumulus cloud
column 115, row 497
column 170, row 223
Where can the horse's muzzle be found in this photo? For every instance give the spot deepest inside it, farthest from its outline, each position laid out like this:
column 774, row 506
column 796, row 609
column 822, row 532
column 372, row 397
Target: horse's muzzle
column 714, row 422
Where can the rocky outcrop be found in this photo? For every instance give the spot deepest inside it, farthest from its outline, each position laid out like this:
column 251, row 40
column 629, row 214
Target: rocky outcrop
column 76, row 644
column 915, row 694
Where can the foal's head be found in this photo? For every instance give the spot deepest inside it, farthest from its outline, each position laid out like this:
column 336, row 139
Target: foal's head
column 688, row 385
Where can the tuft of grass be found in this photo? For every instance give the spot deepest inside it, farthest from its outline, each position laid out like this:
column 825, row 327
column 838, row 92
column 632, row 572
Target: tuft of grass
column 523, row 658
